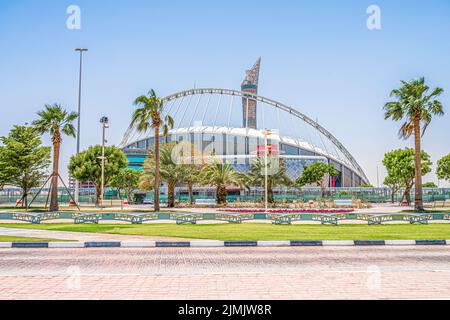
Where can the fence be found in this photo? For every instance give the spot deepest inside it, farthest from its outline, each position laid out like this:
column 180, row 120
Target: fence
column 374, row 195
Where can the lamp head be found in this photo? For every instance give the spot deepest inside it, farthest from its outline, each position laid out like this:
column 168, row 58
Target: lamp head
column 105, row 122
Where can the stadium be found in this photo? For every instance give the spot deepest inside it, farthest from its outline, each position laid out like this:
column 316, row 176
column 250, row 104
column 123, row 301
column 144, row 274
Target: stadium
column 231, row 125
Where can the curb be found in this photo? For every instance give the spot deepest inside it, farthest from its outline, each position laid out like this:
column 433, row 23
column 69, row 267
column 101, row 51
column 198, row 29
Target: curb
column 220, row 244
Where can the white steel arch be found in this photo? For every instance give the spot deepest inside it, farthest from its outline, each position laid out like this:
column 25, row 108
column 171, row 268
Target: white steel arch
column 271, row 102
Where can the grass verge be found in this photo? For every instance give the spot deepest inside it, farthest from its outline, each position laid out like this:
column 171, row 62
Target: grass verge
column 435, row 210
column 28, row 239
column 259, row 231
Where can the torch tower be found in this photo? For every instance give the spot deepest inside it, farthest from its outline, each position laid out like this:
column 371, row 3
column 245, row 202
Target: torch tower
column 249, row 106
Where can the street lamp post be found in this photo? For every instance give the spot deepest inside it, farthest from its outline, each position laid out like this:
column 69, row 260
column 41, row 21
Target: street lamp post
column 266, row 170
column 77, row 184
column 105, row 124
column 378, row 178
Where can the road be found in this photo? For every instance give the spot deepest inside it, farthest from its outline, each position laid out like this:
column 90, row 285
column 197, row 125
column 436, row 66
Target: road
column 226, row 273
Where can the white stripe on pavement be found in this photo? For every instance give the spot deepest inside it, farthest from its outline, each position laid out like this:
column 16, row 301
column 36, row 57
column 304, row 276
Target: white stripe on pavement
column 55, row 245
column 274, row 243
column 338, row 243
column 207, row 243
column 400, row 242
column 138, row 244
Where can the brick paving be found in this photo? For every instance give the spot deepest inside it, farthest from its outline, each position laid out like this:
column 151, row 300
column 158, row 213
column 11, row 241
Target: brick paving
column 226, row 273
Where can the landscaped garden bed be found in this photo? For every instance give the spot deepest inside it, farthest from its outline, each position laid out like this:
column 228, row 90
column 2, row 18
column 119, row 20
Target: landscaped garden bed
column 288, row 211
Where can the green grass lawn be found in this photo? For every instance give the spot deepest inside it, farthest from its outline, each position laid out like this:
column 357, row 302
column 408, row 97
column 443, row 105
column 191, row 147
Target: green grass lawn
column 259, row 231
column 27, row 239
column 21, row 209
column 434, row 210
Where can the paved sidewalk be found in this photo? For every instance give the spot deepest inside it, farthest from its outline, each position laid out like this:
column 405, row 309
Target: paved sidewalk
column 227, row 273
column 79, row 236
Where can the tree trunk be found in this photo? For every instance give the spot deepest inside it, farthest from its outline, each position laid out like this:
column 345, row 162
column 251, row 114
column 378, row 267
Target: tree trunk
column 25, row 198
column 191, row 192
column 120, row 199
column 130, row 196
column 323, row 192
column 54, row 194
column 407, row 195
column 418, row 187
column 157, row 168
column 270, row 198
column 322, row 187
column 98, row 192
column 171, row 195
column 221, row 195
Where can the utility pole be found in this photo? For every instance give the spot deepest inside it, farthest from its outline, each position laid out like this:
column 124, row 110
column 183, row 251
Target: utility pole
column 77, row 183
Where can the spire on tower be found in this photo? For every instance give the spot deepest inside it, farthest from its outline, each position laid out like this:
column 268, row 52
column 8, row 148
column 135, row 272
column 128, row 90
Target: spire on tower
column 252, row 75
column 249, row 106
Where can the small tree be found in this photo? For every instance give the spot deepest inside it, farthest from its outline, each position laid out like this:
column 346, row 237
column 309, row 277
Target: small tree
column 56, row 121
column 401, row 165
column 220, row 176
column 126, row 180
column 443, row 168
column 3, row 173
column 23, row 159
column 317, row 173
column 278, row 177
column 170, row 172
column 87, row 166
column 192, row 177
column 190, row 161
column 394, row 183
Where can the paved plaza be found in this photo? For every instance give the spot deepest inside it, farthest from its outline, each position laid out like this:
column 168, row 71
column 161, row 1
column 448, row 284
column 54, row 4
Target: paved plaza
column 227, row 273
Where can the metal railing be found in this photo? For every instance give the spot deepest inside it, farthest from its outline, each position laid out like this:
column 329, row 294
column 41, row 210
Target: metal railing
column 281, row 195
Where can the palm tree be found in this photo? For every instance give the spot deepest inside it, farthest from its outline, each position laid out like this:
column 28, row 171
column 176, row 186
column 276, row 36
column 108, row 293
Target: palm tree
column 220, row 175
column 170, row 172
column 278, row 177
column 416, row 107
column 192, row 173
column 190, row 162
column 55, row 120
column 149, row 115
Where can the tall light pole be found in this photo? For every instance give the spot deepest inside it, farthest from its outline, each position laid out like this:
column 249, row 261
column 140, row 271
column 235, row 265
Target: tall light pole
column 378, row 177
column 77, row 184
column 266, row 170
column 105, row 124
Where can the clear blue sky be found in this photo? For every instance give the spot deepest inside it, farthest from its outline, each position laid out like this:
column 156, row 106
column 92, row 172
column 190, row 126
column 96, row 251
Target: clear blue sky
column 317, row 55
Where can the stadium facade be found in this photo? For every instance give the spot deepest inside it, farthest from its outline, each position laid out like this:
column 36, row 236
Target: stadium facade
column 235, row 134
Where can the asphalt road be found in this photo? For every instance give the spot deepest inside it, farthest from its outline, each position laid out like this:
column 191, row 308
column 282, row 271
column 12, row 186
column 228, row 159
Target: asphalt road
column 227, row 273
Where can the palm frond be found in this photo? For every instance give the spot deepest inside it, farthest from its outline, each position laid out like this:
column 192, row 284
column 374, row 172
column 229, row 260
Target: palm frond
column 406, row 130
column 413, row 104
